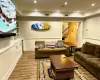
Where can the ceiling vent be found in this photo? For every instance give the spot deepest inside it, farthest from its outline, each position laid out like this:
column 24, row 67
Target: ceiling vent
column 46, row 14
column 66, row 14
column 63, row 6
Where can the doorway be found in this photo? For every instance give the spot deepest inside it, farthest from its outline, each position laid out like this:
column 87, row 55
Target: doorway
column 71, row 32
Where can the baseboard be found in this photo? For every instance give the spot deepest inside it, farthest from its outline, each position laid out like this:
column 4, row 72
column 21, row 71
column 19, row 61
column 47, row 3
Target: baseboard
column 12, row 68
column 28, row 51
column 32, row 52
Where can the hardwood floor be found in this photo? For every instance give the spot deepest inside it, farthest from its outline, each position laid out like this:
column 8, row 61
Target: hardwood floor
column 26, row 68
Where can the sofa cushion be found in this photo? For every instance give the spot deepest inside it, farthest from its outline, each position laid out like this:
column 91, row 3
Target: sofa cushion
column 59, row 45
column 83, row 56
column 59, row 49
column 52, row 49
column 88, row 48
column 97, row 51
column 45, row 50
column 95, row 62
column 50, row 46
column 56, row 45
column 40, row 45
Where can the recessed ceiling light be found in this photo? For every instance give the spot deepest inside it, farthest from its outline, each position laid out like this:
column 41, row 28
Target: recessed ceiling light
column 93, row 4
column 35, row 1
column 78, row 11
column 57, row 10
column 35, row 9
column 65, row 3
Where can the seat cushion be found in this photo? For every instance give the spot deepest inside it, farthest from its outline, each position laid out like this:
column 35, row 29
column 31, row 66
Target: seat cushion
column 45, row 50
column 52, row 49
column 59, row 49
column 95, row 62
column 83, row 56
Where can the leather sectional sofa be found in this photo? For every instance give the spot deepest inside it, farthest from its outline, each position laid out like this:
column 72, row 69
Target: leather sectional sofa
column 89, row 57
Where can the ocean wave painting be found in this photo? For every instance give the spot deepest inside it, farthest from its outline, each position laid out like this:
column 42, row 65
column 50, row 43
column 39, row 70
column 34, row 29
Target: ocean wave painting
column 41, row 26
column 7, row 16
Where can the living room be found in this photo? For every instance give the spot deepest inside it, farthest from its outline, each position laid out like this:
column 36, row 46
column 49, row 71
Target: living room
column 85, row 15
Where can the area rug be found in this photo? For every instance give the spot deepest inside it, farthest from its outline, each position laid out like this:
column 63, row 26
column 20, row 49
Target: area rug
column 79, row 74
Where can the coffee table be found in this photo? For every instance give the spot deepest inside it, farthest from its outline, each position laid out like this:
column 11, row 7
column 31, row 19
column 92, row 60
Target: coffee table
column 62, row 67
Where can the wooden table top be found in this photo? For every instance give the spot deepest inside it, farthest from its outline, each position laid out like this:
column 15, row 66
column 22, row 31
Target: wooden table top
column 69, row 44
column 62, row 62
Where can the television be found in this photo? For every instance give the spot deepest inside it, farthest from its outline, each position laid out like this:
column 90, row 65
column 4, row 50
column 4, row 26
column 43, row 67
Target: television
column 7, row 18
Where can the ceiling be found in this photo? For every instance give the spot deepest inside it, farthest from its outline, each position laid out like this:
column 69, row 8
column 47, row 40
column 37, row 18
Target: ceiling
column 54, row 5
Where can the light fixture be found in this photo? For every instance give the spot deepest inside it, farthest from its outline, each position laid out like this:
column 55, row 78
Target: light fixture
column 65, row 3
column 35, row 1
column 93, row 4
column 78, row 11
column 35, row 9
column 57, row 10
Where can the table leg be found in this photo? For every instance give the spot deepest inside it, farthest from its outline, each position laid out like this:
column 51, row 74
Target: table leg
column 71, row 49
column 50, row 72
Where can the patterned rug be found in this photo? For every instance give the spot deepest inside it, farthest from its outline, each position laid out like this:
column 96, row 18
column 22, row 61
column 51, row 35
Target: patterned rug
column 79, row 74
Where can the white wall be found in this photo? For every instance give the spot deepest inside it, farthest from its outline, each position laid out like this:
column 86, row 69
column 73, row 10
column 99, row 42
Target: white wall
column 91, row 30
column 27, row 32
column 30, row 36
column 54, row 34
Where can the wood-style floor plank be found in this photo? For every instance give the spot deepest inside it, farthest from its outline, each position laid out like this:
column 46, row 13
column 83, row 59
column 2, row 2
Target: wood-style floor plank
column 26, row 68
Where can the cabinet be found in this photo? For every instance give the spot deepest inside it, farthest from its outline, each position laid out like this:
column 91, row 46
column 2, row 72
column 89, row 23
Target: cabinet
column 8, row 60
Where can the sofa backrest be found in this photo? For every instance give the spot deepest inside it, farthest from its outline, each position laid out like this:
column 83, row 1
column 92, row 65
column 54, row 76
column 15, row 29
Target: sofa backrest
column 97, row 51
column 39, row 42
column 90, row 48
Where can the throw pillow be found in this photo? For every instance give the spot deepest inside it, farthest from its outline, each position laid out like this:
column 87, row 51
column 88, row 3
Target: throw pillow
column 97, row 51
column 59, row 44
column 50, row 46
column 41, row 45
column 56, row 45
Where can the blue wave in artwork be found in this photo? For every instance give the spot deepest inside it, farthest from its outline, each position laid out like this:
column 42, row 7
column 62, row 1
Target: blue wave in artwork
column 37, row 26
column 41, row 26
column 5, row 28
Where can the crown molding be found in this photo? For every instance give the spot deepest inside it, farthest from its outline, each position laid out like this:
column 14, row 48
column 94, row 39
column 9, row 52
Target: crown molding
column 41, row 18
